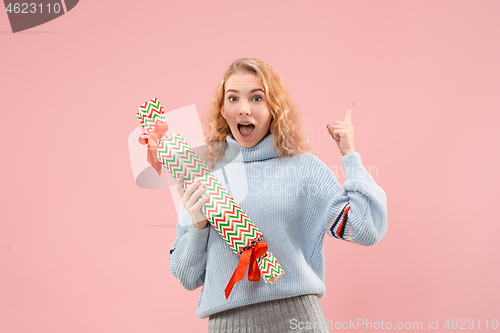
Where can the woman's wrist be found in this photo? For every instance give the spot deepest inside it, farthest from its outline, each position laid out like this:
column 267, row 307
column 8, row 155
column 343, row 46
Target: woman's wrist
column 201, row 225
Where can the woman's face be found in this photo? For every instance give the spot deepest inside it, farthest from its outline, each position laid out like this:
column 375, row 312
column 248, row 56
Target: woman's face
column 245, row 102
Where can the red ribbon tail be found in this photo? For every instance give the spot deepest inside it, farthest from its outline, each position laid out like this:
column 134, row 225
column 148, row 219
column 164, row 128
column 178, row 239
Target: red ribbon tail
column 153, row 159
column 239, row 272
column 253, row 269
column 259, row 249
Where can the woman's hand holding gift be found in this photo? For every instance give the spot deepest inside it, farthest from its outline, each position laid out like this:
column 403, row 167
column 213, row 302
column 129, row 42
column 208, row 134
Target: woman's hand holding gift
column 188, row 199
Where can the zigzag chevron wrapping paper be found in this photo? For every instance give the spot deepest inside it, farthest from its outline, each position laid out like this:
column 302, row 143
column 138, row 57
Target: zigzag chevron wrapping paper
column 222, row 212
column 148, row 113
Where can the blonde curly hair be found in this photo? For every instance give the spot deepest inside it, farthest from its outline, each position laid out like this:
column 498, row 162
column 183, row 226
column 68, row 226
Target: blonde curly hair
column 289, row 130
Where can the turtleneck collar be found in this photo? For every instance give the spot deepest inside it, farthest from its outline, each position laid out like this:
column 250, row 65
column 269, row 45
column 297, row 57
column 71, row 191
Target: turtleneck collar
column 263, row 150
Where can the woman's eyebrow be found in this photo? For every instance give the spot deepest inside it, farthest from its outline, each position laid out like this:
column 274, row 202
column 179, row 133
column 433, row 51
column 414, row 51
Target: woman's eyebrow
column 236, row 91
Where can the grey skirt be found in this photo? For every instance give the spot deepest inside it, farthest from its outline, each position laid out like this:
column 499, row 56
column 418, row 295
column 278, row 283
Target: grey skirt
column 294, row 314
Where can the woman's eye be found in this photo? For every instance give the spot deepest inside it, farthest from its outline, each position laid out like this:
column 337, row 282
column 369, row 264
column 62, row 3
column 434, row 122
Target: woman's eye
column 230, row 98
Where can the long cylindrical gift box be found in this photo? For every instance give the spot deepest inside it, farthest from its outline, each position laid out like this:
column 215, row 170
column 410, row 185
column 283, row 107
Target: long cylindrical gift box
column 225, row 215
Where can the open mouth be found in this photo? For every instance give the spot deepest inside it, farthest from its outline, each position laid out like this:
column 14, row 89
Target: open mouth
column 246, row 130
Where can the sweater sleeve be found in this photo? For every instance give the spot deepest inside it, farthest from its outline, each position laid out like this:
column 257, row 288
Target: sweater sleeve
column 360, row 210
column 357, row 213
column 187, row 256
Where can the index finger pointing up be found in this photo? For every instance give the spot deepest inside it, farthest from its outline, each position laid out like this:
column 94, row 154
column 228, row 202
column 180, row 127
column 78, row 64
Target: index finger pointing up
column 348, row 113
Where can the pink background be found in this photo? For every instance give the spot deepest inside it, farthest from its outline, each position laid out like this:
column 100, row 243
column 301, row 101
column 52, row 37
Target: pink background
column 84, row 249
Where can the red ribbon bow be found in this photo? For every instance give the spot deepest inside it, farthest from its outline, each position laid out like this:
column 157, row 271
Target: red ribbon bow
column 151, row 140
column 247, row 257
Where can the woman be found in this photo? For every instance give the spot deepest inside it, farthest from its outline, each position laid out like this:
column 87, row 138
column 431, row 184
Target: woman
column 290, row 195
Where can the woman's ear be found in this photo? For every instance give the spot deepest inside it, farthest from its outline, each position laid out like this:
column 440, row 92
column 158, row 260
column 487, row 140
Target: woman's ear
column 222, row 111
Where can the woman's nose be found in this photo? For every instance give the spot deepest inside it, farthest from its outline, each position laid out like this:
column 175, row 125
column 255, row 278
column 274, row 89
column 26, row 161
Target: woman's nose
column 245, row 110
